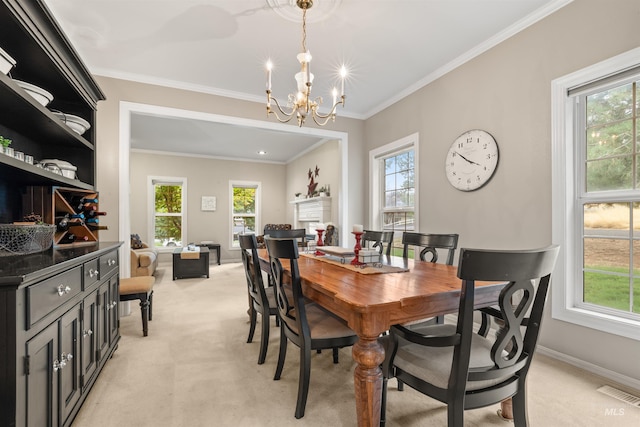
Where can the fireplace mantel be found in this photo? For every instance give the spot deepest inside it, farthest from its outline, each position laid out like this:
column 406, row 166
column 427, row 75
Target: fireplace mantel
column 308, row 212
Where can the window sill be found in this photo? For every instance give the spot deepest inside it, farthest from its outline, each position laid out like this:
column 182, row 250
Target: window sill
column 599, row 321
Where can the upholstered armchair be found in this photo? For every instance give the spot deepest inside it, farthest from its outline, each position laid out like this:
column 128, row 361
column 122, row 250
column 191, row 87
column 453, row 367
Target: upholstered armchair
column 144, row 260
column 269, row 227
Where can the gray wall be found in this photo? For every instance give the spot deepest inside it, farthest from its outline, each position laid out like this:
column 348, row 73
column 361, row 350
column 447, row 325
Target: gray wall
column 327, row 159
column 507, row 92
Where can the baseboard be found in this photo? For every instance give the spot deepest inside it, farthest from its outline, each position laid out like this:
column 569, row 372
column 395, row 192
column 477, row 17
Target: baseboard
column 590, row 367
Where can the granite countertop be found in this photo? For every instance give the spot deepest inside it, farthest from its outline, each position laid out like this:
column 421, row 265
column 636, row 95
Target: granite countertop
column 18, row 269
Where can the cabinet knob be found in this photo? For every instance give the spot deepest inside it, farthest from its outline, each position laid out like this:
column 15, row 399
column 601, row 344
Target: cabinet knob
column 111, row 262
column 87, row 333
column 93, row 273
column 62, row 290
column 56, row 365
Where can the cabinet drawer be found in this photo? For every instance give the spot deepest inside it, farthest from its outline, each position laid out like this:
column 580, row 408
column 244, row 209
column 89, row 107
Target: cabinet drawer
column 46, row 296
column 108, row 263
column 90, row 271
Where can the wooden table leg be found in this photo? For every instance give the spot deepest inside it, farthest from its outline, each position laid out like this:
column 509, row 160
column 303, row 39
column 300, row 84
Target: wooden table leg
column 368, row 354
column 506, row 409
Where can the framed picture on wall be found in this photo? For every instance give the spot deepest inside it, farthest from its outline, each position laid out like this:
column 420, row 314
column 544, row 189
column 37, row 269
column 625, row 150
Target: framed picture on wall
column 208, row 203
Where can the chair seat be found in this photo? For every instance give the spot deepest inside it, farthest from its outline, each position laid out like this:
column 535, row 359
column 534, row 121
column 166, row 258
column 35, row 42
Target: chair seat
column 323, row 324
column 136, row 285
column 433, row 364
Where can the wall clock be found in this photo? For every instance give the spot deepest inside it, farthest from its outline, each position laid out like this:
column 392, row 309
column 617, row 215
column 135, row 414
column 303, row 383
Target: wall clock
column 472, row 160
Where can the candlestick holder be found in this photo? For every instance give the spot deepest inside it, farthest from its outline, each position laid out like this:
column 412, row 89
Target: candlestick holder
column 356, row 248
column 319, row 243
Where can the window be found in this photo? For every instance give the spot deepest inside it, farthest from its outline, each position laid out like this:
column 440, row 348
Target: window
column 169, row 210
column 596, row 199
column 245, row 208
column 394, row 177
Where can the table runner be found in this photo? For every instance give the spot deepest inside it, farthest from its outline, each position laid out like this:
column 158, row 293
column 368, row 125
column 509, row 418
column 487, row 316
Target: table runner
column 362, row 270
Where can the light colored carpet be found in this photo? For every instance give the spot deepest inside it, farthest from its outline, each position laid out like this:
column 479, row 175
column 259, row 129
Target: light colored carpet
column 196, row 369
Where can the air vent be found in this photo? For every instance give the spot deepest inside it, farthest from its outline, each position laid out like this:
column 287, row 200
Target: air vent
column 620, row 395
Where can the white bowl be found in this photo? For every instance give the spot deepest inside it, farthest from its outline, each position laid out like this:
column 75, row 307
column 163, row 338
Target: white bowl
column 39, row 94
column 77, row 124
column 6, row 62
column 66, row 169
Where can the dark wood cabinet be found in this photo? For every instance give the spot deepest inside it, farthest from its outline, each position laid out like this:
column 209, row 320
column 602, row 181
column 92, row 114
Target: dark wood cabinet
column 60, row 331
column 58, row 308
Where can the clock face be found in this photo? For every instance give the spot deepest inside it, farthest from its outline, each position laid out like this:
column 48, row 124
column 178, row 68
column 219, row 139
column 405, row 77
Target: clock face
column 472, row 160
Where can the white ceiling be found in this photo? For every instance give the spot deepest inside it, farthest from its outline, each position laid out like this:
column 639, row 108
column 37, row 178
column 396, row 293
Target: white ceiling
column 391, row 48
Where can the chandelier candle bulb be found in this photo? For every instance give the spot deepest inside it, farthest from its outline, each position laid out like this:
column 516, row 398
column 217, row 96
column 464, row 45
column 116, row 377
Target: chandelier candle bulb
column 358, row 228
column 269, row 67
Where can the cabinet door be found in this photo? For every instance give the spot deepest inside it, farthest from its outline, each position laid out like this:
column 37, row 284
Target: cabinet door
column 102, row 329
column 89, row 327
column 114, row 314
column 42, row 378
column 70, row 354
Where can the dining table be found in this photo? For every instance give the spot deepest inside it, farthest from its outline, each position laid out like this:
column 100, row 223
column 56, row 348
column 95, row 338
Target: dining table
column 371, row 299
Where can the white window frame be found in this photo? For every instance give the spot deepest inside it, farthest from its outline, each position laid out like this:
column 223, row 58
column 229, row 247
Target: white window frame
column 251, row 184
column 567, row 219
column 376, row 177
column 151, row 207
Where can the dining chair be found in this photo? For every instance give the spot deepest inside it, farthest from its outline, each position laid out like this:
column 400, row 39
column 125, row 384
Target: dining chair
column 261, row 300
column 268, row 228
column 298, row 233
column 430, row 243
column 308, row 326
column 381, row 240
column 465, row 370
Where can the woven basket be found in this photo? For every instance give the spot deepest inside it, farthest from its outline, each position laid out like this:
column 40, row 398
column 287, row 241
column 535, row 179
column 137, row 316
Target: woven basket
column 25, row 239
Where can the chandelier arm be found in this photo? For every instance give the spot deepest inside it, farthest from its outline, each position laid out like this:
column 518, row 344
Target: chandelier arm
column 331, row 112
column 284, row 113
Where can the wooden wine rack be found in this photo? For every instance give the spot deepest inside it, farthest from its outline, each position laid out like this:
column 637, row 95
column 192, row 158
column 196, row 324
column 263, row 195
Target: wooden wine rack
column 50, row 202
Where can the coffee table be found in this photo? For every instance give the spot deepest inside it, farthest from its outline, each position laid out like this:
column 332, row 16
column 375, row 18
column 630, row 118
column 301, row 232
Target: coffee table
column 196, row 267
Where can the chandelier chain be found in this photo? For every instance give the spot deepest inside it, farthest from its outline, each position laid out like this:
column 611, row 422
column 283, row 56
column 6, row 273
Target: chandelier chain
column 304, row 29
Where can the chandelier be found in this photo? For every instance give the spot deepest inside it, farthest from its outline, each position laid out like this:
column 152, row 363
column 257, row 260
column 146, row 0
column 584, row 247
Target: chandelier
column 301, row 104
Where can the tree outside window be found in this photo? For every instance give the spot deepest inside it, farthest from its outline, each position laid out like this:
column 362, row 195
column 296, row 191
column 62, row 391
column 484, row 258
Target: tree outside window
column 398, row 212
column 168, row 214
column 244, row 210
column 611, row 200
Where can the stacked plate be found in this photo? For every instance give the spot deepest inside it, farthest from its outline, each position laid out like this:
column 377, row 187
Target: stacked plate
column 39, row 94
column 77, row 124
column 6, row 62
